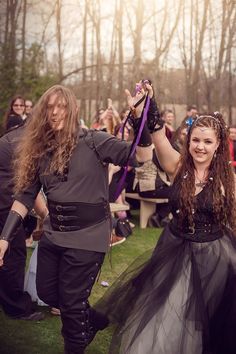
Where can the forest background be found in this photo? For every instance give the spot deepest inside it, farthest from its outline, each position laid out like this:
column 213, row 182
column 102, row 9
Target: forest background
column 99, row 48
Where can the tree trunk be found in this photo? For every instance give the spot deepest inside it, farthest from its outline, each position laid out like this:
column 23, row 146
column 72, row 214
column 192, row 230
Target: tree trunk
column 83, row 108
column 59, row 40
column 121, row 55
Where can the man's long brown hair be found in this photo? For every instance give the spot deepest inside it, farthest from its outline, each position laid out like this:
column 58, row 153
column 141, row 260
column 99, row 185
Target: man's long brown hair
column 40, row 140
column 220, row 176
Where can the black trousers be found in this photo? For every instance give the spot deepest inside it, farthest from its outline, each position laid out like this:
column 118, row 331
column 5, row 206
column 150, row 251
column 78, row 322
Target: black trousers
column 14, row 301
column 65, row 278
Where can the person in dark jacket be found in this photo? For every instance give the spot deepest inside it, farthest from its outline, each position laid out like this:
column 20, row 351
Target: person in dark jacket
column 15, row 302
column 71, row 164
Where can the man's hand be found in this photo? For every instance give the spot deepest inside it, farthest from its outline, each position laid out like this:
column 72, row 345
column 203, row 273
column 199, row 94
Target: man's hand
column 3, row 248
column 142, row 88
column 131, row 100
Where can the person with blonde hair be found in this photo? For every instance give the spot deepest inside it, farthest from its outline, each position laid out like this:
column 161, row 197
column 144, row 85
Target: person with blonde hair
column 183, row 298
column 71, row 164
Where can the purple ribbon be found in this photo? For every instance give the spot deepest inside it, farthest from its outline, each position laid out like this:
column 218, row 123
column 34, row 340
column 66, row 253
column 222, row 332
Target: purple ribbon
column 133, row 146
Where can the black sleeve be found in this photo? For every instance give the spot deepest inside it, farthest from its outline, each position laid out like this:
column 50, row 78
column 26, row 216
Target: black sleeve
column 109, row 149
column 28, row 196
column 6, row 153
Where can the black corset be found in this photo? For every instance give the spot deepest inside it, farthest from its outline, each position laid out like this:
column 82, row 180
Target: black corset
column 199, row 232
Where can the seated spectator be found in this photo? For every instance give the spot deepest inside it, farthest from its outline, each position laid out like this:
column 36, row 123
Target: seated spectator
column 115, row 173
column 15, row 113
column 152, row 182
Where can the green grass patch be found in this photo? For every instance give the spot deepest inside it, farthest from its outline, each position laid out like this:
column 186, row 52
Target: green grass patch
column 23, row 337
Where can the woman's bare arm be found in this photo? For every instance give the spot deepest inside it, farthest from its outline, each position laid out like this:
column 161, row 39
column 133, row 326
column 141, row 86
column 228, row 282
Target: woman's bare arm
column 167, row 156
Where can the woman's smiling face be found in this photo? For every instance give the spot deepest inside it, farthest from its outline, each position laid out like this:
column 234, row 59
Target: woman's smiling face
column 18, row 106
column 203, row 144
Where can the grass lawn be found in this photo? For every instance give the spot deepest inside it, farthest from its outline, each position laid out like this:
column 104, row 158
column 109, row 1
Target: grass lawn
column 26, row 337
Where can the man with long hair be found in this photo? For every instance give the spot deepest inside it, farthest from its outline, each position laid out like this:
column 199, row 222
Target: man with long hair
column 72, row 166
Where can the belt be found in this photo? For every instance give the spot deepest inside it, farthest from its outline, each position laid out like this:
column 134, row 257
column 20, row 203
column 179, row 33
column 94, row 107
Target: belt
column 200, row 232
column 73, row 216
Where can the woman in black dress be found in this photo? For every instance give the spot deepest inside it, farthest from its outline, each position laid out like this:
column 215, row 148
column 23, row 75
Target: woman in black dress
column 183, row 299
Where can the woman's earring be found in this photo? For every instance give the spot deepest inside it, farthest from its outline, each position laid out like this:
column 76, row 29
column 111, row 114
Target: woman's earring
column 215, row 153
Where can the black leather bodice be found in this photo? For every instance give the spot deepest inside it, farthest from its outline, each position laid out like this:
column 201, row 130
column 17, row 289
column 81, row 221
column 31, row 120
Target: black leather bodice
column 204, row 226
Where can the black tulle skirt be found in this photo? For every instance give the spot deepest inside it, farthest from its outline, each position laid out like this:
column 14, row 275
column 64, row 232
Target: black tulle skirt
column 182, row 300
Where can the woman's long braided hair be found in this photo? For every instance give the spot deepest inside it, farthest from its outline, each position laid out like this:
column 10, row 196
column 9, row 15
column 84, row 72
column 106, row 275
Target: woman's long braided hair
column 221, row 175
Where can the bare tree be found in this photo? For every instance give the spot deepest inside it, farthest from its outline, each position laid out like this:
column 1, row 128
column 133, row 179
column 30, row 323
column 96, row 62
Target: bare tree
column 135, row 16
column 120, row 50
column 218, row 66
column 120, row 42
column 8, row 63
column 59, row 39
column 83, row 108
column 23, row 64
column 192, row 49
column 94, row 11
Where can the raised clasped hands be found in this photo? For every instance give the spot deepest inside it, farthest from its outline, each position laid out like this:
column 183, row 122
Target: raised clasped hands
column 3, row 249
column 143, row 88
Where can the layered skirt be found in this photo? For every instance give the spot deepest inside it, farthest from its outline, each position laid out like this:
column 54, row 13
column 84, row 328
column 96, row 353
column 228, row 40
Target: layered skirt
column 182, row 300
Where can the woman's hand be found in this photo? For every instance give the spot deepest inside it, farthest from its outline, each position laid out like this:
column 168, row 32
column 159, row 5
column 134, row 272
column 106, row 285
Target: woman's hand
column 148, row 87
column 3, row 248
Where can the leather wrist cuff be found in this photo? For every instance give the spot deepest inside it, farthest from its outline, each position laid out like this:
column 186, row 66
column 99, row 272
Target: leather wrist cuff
column 14, row 220
column 154, row 120
column 145, row 138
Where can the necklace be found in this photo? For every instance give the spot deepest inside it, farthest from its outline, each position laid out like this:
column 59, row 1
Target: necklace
column 200, row 182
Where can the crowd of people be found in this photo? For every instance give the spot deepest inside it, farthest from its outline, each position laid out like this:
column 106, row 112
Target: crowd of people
column 183, row 298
